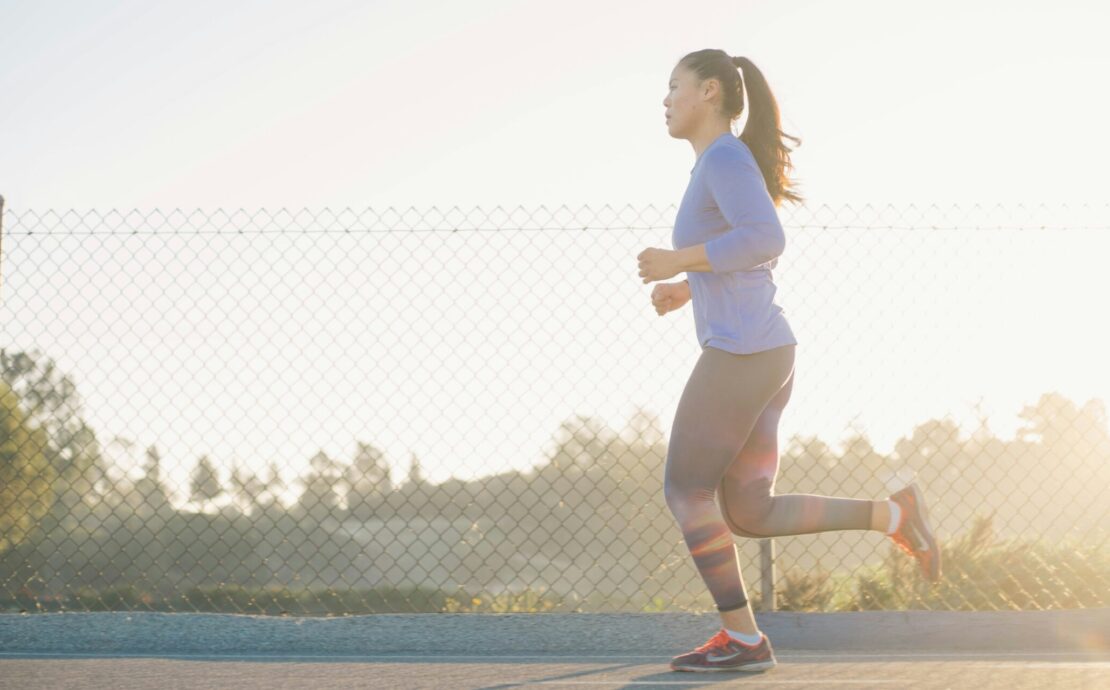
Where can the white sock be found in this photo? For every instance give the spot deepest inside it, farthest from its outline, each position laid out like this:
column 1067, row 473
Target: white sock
column 750, row 640
column 895, row 515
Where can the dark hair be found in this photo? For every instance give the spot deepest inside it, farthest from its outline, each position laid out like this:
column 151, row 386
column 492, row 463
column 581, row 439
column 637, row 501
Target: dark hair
column 762, row 133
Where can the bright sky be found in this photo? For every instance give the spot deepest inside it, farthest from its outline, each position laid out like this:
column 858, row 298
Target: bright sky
column 210, row 105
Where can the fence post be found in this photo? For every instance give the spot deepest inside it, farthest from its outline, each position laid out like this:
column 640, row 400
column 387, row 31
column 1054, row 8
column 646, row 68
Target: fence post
column 767, row 574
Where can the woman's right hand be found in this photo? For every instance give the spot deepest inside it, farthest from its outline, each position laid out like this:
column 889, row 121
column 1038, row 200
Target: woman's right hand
column 667, row 297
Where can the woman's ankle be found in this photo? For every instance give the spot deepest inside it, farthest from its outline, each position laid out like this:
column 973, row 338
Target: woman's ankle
column 880, row 516
column 741, row 620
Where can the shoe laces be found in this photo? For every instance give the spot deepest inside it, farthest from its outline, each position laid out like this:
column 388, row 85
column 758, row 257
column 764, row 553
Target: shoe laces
column 718, row 641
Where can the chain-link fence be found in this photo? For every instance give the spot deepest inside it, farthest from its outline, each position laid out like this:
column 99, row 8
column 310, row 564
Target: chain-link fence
column 326, row 412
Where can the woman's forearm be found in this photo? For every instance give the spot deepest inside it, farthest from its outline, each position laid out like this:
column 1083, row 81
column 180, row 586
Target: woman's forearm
column 693, row 258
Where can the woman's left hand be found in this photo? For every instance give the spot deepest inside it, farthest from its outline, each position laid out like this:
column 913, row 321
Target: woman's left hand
column 658, row 264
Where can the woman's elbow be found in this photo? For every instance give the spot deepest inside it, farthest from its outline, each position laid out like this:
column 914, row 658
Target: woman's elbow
column 776, row 242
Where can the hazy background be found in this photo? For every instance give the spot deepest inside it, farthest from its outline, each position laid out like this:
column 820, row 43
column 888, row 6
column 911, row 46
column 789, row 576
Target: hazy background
column 211, row 105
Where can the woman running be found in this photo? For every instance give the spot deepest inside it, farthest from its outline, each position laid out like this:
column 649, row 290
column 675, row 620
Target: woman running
column 727, row 237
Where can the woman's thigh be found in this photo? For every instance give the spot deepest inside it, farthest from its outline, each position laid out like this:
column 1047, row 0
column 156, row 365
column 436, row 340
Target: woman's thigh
column 759, row 456
column 723, row 398
column 748, row 485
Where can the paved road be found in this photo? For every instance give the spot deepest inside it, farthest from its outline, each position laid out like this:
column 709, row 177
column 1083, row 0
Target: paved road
column 882, row 649
column 795, row 670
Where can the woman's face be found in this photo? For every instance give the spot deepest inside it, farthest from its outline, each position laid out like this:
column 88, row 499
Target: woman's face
column 686, row 103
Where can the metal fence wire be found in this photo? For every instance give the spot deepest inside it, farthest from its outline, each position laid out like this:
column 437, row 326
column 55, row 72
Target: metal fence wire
column 333, row 412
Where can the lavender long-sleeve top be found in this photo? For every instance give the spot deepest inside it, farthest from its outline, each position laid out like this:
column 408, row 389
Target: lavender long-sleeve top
column 727, row 207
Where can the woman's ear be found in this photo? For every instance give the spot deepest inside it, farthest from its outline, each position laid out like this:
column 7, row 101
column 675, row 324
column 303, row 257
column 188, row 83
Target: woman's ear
column 710, row 89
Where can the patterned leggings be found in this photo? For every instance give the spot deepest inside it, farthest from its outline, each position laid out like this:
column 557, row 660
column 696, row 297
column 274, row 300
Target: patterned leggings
column 724, row 444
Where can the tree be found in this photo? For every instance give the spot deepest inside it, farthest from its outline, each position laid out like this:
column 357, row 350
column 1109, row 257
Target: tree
column 51, row 403
column 935, row 443
column 369, row 480
column 583, row 442
column 644, row 428
column 26, row 477
column 416, row 474
column 369, row 472
column 320, row 498
column 205, row 484
column 275, row 486
column 150, row 487
column 1064, row 429
column 246, row 487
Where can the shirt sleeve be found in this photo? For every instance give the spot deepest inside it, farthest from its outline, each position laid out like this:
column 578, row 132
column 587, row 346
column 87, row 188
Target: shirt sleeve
column 755, row 235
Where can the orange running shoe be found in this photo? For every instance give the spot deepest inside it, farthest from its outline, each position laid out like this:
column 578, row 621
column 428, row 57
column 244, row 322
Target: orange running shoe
column 914, row 534
column 724, row 653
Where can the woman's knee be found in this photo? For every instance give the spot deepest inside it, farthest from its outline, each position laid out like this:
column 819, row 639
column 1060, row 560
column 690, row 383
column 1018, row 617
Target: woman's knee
column 675, row 494
column 693, row 468
column 681, row 497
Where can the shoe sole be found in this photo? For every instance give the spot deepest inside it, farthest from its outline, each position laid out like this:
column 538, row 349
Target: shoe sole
column 920, row 523
column 753, row 668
